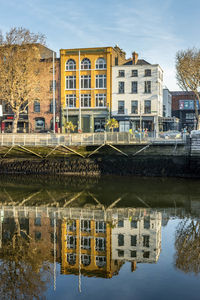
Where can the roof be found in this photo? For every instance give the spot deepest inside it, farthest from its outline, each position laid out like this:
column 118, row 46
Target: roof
column 181, row 93
column 140, row 62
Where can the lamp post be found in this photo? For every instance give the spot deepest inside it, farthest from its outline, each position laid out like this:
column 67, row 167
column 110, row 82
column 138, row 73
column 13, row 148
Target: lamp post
column 54, row 104
column 79, row 89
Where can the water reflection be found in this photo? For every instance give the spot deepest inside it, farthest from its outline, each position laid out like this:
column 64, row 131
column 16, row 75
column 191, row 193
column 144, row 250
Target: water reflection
column 88, row 235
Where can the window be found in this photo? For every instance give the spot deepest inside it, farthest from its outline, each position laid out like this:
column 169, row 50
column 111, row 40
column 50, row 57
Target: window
column 71, row 100
column 71, row 226
column 85, row 260
column 70, row 65
column 120, row 253
column 121, row 87
column 100, row 100
column 147, row 72
column 70, row 82
column 133, row 224
column 120, row 223
column 100, row 261
column 147, row 87
column 85, row 81
column 120, row 240
column 101, row 81
column 100, row 63
column 146, row 254
column 100, row 226
column 38, row 221
column 121, row 73
column 51, row 106
column 71, row 242
column 134, row 87
column 133, row 240
column 145, row 240
column 51, row 85
column 134, row 73
column 39, row 124
column 71, row 259
column 133, row 253
column 147, row 106
column 38, row 235
column 85, row 225
column 146, row 222
column 85, row 242
column 134, row 107
column 120, row 107
column 85, row 100
column 85, row 64
column 100, row 244
column 36, row 106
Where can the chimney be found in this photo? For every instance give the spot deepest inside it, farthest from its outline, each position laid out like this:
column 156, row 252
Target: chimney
column 135, row 58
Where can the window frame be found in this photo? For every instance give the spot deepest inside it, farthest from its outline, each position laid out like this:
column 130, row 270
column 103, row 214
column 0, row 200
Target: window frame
column 98, row 100
column 72, row 79
column 67, row 64
column 85, row 64
column 120, row 110
column 98, row 64
column 134, row 89
column 86, row 97
column 147, row 87
column 85, row 82
column 72, row 99
column 100, row 81
column 146, row 111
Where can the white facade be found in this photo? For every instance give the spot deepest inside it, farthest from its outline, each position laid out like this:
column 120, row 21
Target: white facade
column 138, row 238
column 148, row 86
column 167, row 103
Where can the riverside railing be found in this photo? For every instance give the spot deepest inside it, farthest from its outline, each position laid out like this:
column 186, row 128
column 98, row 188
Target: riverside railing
column 83, row 139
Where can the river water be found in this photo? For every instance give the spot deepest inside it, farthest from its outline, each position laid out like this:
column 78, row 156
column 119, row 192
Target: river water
column 99, row 238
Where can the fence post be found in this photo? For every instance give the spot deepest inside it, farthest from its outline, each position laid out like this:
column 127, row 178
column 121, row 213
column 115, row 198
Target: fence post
column 24, row 140
column 93, row 138
column 1, row 139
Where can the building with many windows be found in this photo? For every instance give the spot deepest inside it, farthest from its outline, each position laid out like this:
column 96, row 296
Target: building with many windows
column 137, row 238
column 86, row 86
column 137, row 100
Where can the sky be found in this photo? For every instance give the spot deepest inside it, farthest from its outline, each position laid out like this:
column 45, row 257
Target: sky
column 155, row 29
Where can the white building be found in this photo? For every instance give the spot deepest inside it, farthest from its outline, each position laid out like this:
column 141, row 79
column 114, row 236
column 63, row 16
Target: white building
column 138, row 238
column 137, row 94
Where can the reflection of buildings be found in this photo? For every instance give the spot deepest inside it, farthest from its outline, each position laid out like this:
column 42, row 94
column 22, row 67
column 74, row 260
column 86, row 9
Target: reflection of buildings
column 90, row 242
column 137, row 238
column 41, row 226
column 86, row 248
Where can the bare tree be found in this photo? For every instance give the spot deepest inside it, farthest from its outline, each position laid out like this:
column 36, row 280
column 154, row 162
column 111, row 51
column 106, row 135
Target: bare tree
column 187, row 246
column 22, row 74
column 188, row 75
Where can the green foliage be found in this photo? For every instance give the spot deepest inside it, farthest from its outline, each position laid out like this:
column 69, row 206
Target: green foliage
column 69, row 126
column 112, row 123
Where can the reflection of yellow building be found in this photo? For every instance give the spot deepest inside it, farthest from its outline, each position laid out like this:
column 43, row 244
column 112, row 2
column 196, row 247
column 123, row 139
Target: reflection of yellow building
column 87, row 251
column 86, row 78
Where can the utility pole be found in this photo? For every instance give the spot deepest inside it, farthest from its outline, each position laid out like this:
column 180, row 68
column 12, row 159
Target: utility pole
column 54, row 101
column 79, row 75
column 140, row 121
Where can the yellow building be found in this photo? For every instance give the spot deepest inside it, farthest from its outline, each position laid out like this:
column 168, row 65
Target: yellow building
column 86, row 79
column 86, row 249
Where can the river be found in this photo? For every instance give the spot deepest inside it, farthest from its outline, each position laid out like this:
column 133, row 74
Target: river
column 99, row 238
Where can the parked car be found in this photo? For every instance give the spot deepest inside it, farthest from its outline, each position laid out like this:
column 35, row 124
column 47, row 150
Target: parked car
column 171, row 134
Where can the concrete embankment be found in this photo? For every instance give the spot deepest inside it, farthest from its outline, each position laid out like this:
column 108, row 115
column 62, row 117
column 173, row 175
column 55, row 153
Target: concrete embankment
column 158, row 159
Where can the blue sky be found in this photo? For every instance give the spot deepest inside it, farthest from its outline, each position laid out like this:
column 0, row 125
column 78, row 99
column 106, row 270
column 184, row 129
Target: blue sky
column 155, row 29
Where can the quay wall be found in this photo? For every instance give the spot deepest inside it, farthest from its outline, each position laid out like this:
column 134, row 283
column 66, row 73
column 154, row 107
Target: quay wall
column 165, row 160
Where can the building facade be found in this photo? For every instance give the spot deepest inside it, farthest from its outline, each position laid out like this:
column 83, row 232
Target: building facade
column 183, row 107
column 138, row 238
column 86, row 86
column 137, row 100
column 38, row 116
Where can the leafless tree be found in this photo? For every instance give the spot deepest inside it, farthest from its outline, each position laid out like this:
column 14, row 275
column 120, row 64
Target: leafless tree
column 187, row 246
column 188, row 74
column 22, row 74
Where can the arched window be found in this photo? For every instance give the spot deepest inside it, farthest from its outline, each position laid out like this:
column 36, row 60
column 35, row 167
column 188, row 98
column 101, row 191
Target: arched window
column 39, row 124
column 85, row 260
column 85, row 64
column 71, row 258
column 100, row 63
column 70, row 65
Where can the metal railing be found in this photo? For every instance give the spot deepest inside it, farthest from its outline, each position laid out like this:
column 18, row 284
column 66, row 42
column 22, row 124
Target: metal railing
column 49, row 139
